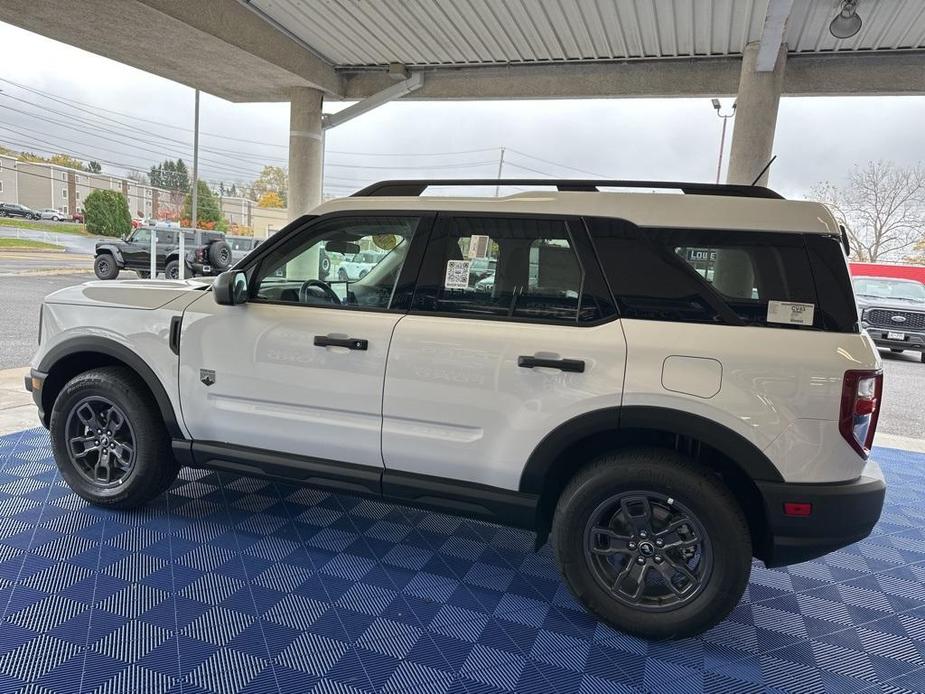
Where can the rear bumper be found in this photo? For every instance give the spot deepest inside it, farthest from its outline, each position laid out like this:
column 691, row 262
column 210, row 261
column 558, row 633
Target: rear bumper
column 841, row 514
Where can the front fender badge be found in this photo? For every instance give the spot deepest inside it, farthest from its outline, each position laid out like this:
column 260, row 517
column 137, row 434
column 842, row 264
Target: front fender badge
column 207, row 376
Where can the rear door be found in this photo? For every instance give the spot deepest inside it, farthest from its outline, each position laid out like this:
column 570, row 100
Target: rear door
column 489, row 362
column 137, row 250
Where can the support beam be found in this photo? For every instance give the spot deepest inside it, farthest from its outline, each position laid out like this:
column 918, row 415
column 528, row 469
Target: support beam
column 772, row 34
column 756, row 117
column 306, row 151
column 396, row 91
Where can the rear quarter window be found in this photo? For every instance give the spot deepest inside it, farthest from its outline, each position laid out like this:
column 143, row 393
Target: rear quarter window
column 713, row 276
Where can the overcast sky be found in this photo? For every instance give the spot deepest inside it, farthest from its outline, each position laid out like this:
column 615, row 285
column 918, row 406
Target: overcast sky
column 817, row 138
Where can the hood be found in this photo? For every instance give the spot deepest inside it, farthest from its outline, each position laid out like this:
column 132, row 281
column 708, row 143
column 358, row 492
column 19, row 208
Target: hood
column 109, row 242
column 142, row 294
column 891, row 304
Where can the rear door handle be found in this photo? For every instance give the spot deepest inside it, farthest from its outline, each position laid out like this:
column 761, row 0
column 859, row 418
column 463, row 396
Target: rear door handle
column 572, row 365
column 348, row 342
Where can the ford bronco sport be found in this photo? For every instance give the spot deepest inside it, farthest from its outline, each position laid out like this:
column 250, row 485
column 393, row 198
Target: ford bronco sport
column 664, row 384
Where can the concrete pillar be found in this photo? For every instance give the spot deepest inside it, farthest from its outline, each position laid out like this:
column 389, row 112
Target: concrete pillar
column 306, row 151
column 756, row 117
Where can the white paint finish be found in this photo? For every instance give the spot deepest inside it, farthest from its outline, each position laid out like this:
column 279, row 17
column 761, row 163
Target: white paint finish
column 143, row 332
column 144, row 294
column 274, row 389
column 813, row 450
column 457, row 405
column 772, row 34
column 644, row 209
column 772, row 377
column 695, row 376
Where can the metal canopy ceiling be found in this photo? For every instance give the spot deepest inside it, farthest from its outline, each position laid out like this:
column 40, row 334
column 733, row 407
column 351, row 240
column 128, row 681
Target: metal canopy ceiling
column 358, row 34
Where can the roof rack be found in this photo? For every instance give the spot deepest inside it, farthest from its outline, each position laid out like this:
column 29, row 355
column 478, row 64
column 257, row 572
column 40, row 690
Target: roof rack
column 415, row 187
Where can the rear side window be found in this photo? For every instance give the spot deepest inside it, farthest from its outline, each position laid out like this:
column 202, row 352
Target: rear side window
column 710, row 276
column 514, row 268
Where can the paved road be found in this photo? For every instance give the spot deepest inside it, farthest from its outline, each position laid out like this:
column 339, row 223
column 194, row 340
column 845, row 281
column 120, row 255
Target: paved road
column 904, row 391
column 20, row 262
column 20, row 298
column 73, row 243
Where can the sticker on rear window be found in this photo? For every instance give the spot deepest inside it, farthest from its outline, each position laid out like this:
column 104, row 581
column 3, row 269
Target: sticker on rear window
column 457, row 274
column 790, row 312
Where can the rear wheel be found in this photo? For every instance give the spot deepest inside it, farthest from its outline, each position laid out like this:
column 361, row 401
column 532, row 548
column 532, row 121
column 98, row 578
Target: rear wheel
column 172, row 270
column 143, row 274
column 105, row 267
column 109, row 440
column 652, row 544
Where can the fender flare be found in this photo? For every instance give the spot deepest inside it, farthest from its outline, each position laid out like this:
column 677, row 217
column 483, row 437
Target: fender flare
column 113, row 250
column 746, row 455
column 91, row 344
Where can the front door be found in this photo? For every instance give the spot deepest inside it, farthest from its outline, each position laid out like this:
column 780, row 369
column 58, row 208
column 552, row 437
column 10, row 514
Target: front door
column 137, row 251
column 299, row 368
column 511, row 333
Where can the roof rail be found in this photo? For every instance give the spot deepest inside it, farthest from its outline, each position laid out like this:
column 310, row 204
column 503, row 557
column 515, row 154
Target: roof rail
column 415, row 187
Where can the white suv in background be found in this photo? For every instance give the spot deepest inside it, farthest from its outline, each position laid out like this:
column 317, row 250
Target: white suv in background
column 665, row 384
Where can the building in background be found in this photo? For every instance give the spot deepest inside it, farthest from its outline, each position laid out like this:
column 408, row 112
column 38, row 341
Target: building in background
column 40, row 185
column 8, row 183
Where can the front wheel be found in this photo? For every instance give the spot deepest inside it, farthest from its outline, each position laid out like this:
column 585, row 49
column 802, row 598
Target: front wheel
column 143, row 274
column 652, row 544
column 105, row 267
column 172, row 270
column 109, row 439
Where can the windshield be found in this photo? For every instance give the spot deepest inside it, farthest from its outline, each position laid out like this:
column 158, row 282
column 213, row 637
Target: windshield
column 882, row 288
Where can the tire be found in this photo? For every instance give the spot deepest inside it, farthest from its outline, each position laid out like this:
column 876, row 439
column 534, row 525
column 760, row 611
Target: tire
column 671, row 486
column 325, row 264
column 105, row 267
column 172, row 270
column 363, row 273
column 220, row 255
column 136, row 474
column 143, row 274
column 56, row 219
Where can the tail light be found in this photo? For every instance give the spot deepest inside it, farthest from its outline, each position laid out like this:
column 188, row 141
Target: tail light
column 860, row 409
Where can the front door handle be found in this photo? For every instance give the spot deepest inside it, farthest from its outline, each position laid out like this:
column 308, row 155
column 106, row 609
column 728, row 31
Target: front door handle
column 572, row 365
column 348, row 342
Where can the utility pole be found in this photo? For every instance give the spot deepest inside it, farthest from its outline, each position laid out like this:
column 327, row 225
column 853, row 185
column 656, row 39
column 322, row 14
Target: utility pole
column 722, row 142
column 500, row 168
column 195, row 199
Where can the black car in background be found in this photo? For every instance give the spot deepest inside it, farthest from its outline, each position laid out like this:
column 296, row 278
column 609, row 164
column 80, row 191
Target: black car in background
column 892, row 312
column 206, row 253
column 12, row 209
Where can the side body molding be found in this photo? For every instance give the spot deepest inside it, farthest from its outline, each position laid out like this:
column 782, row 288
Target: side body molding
column 91, row 345
column 620, row 420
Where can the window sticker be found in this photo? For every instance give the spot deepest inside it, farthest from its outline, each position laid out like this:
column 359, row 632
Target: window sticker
column 790, row 312
column 457, row 274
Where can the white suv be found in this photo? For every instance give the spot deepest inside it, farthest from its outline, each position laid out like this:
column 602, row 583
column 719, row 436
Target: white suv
column 665, row 384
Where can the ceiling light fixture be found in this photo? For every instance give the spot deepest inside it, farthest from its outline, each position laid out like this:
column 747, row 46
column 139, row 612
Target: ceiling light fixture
column 847, row 23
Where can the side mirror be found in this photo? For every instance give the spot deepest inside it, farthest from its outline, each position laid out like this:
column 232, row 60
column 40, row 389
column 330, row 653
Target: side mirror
column 230, row 288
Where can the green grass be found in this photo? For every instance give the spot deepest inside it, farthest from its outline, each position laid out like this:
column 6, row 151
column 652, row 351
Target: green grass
column 7, row 244
column 54, row 227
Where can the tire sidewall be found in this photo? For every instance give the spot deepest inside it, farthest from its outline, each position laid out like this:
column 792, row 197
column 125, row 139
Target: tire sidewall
column 148, row 430
column 102, row 261
column 723, row 523
column 172, row 265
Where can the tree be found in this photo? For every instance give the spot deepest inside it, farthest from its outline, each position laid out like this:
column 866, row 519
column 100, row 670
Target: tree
column 94, row 166
column 233, row 191
column 171, row 175
column 67, row 161
column 106, row 213
column 882, row 206
column 270, row 199
column 208, row 212
column 137, row 176
column 272, row 179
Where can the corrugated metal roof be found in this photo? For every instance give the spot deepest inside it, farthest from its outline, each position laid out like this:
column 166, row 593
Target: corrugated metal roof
column 367, row 33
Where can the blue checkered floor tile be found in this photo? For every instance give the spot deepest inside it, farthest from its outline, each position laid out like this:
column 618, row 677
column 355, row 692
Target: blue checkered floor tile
column 230, row 584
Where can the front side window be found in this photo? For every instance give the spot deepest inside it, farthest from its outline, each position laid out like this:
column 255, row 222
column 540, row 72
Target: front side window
column 142, row 236
column 517, row 268
column 350, row 262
